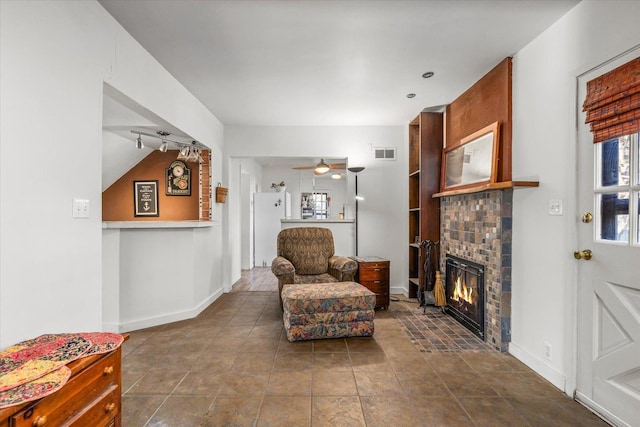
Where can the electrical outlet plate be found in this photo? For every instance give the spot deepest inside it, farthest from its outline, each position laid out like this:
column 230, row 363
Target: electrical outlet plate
column 555, row 207
column 80, row 208
column 547, row 351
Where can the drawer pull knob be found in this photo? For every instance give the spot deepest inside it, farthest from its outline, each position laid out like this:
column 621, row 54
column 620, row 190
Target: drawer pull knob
column 40, row 421
column 110, row 407
column 108, row 370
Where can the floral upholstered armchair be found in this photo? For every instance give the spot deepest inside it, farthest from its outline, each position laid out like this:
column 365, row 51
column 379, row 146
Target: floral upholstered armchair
column 306, row 255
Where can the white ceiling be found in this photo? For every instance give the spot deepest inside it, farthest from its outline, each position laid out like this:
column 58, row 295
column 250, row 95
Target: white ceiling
column 324, row 63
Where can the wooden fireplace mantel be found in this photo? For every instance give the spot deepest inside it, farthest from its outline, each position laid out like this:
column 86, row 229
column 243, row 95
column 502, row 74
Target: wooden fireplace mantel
column 487, row 187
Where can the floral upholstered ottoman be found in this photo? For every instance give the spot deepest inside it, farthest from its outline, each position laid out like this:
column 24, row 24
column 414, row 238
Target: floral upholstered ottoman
column 327, row 310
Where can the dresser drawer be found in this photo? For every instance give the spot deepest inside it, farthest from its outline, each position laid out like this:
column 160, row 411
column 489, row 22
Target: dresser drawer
column 372, row 265
column 82, row 388
column 380, row 273
column 377, row 286
column 100, row 412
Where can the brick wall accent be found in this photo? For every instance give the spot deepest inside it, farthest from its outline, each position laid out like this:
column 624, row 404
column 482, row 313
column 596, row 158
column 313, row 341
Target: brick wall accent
column 478, row 227
column 205, row 186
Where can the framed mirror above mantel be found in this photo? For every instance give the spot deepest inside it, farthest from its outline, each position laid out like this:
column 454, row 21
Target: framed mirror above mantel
column 471, row 166
column 474, row 160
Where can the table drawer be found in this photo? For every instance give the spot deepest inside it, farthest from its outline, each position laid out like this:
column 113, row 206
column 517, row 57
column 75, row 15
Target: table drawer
column 86, row 385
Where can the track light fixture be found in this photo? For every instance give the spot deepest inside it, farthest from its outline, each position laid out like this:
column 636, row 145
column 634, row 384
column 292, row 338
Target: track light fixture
column 165, row 145
column 188, row 152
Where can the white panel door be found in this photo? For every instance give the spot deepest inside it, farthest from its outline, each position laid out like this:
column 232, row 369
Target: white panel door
column 608, row 317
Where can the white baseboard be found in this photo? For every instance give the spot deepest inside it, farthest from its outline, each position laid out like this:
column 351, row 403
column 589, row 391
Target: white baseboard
column 398, row 290
column 600, row 411
column 110, row 327
column 550, row 374
column 168, row 317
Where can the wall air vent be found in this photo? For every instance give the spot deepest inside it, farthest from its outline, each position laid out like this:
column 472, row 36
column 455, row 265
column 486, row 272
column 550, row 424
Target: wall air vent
column 384, row 153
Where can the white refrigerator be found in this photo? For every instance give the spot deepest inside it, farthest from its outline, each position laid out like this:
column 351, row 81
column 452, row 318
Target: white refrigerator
column 268, row 210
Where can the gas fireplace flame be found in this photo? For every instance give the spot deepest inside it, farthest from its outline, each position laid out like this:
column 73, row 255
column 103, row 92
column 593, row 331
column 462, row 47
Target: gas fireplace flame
column 462, row 292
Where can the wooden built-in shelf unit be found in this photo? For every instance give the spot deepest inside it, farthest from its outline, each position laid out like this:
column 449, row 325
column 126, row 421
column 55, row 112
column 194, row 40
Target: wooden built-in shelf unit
column 425, row 153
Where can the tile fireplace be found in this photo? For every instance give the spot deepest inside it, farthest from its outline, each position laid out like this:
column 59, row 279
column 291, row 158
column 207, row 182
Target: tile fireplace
column 477, row 229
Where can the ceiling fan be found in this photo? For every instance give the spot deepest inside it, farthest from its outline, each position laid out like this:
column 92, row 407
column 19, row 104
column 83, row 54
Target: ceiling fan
column 322, row 167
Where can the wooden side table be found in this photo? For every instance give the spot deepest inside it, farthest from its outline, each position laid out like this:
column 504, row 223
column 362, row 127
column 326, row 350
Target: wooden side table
column 373, row 273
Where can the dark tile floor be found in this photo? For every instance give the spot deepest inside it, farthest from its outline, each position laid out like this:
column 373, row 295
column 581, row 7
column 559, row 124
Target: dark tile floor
column 233, row 366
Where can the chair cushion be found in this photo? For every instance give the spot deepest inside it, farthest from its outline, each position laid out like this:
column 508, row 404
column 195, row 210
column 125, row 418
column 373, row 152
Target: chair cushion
column 314, row 278
column 308, row 248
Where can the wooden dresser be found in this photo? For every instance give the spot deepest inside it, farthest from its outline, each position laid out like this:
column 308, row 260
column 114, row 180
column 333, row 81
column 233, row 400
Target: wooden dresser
column 91, row 397
column 373, row 273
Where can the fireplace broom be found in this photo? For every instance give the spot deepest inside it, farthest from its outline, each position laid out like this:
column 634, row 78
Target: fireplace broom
column 438, row 291
column 438, row 287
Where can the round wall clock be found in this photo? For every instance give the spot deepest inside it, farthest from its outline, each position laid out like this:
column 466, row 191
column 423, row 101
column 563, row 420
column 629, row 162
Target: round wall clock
column 178, row 179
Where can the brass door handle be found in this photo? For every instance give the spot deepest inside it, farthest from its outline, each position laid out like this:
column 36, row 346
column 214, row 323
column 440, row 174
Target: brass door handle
column 586, row 217
column 585, row 254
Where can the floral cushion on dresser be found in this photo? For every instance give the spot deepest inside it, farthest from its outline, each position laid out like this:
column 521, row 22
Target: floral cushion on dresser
column 327, row 297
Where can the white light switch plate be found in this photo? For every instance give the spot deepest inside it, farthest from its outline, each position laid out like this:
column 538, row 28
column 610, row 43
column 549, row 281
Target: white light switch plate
column 80, row 208
column 555, row 207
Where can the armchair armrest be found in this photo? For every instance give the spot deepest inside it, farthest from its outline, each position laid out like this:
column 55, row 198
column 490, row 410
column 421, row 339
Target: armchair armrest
column 282, row 268
column 342, row 268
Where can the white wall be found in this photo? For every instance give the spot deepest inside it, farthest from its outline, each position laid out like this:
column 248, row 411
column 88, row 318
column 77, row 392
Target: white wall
column 119, row 155
column 383, row 215
column 56, row 55
column 544, row 144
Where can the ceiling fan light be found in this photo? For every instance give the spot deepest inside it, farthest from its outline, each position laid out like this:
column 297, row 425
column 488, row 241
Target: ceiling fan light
column 322, row 167
column 336, row 176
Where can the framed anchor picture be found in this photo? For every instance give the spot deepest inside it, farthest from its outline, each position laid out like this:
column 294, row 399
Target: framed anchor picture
column 145, row 198
column 178, row 179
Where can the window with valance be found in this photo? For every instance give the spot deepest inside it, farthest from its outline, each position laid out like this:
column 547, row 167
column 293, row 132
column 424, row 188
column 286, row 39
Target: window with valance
column 612, row 107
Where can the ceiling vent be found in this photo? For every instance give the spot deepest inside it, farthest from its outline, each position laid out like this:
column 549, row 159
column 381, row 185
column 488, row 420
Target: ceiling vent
column 384, row 153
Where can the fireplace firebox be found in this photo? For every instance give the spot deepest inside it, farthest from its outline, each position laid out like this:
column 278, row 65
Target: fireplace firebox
column 465, row 293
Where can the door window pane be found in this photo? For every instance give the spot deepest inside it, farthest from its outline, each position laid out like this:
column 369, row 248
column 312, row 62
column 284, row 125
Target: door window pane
column 615, row 162
column 614, row 216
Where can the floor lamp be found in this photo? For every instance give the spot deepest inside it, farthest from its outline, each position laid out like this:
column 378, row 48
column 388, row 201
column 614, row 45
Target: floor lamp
column 355, row 170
